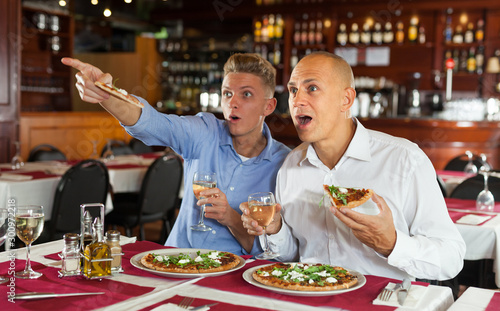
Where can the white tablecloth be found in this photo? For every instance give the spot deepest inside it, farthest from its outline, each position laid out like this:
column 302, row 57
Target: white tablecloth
column 473, row 299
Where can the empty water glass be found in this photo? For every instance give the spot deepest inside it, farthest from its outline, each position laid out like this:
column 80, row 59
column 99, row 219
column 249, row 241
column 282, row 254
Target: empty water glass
column 470, row 167
column 17, row 161
column 485, row 200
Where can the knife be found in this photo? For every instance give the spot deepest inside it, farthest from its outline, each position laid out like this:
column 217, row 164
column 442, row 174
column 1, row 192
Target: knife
column 403, row 291
column 36, row 295
column 203, row 307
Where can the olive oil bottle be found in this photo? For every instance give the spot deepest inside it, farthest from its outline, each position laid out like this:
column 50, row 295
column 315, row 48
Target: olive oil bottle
column 97, row 254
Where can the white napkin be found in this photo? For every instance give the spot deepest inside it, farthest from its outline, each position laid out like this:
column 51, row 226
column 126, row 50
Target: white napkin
column 173, row 307
column 416, row 292
column 472, row 219
column 16, row 177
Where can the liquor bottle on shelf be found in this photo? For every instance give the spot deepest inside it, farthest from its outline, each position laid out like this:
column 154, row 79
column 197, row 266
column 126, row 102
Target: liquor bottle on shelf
column 458, row 37
column 448, row 31
column 294, row 59
column 303, row 32
column 354, row 35
column 270, row 27
column 413, row 30
column 276, row 54
column 278, row 27
column 400, row 34
column 456, row 59
column 366, row 35
column 265, row 29
column 257, row 32
column 388, row 34
column 462, row 61
column 471, row 61
column 342, row 35
column 377, row 36
column 469, row 33
column 480, row 59
column 296, row 34
column 319, row 31
column 421, row 35
column 480, row 31
column 311, row 35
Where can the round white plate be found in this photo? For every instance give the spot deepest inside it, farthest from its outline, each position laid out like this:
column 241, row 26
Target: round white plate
column 247, row 276
column 136, row 262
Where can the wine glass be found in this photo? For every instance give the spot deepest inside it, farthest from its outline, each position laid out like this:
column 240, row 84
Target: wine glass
column 470, row 168
column 108, row 152
column 94, row 154
column 29, row 226
column 17, row 161
column 202, row 181
column 485, row 200
column 4, row 223
column 262, row 206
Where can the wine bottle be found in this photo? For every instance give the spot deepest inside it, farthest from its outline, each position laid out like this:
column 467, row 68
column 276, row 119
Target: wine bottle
column 270, row 27
column 469, row 33
column 480, row 59
column 257, row 32
column 377, row 36
column 354, row 35
column 278, row 27
column 458, row 37
column 400, row 34
column 296, row 34
column 421, row 35
column 471, row 61
column 319, row 31
column 342, row 35
column 366, row 36
column 480, row 31
column 388, row 34
column 413, row 30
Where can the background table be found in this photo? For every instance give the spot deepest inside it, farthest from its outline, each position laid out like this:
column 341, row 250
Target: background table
column 473, row 299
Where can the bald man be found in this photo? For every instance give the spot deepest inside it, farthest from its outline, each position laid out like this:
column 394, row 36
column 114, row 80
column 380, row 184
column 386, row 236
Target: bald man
column 411, row 234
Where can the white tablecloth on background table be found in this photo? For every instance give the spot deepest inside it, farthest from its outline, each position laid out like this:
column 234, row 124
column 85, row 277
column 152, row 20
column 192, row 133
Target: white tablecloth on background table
column 473, row 299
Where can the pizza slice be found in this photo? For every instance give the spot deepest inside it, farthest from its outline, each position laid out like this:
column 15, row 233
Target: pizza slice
column 119, row 93
column 348, row 197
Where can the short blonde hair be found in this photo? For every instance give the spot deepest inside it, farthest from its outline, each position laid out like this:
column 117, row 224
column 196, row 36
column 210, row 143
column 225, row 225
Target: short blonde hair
column 254, row 64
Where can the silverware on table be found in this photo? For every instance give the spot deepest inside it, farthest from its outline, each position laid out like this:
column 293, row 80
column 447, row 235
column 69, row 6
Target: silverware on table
column 36, row 295
column 204, row 306
column 403, row 291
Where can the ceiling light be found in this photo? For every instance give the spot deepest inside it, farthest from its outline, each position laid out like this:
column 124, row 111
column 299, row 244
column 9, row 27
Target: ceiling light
column 94, row 2
column 107, row 12
column 128, row 1
column 62, row 3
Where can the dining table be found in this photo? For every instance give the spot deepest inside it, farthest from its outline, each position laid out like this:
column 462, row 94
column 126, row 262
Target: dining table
column 36, row 182
column 477, row 299
column 139, row 288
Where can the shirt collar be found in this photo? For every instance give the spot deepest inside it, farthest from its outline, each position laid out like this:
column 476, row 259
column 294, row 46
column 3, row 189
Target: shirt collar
column 359, row 147
column 266, row 154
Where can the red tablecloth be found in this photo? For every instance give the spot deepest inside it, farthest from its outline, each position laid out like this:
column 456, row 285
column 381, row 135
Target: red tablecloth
column 50, row 282
column 220, row 306
column 466, row 205
column 494, row 304
column 445, row 175
column 457, row 215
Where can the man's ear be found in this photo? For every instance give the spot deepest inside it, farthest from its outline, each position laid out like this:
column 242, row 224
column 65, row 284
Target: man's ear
column 270, row 106
column 348, row 100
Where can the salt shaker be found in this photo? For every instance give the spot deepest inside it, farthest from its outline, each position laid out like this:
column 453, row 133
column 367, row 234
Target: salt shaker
column 70, row 255
column 113, row 241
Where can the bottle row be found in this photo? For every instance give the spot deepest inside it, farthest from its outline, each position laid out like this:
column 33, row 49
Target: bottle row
column 43, row 84
column 269, row 28
column 459, row 36
column 43, row 21
column 273, row 54
column 471, row 60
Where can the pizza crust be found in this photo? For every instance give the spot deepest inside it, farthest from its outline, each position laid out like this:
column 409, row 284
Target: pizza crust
column 112, row 91
column 351, row 204
column 227, row 264
column 347, row 282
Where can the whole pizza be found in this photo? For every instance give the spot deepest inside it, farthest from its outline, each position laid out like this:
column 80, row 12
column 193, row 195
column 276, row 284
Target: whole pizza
column 305, row 277
column 213, row 261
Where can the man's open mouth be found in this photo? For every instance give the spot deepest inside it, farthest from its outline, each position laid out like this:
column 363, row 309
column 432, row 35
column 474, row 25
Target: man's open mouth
column 303, row 120
column 234, row 117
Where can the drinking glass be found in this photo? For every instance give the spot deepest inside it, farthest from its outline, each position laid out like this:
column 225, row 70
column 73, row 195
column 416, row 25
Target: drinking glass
column 17, row 161
column 470, row 168
column 29, row 226
column 262, row 206
column 4, row 223
column 202, row 181
column 108, row 153
column 485, row 200
column 94, row 154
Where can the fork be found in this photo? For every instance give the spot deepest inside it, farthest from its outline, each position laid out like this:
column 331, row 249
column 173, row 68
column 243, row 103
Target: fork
column 386, row 294
column 186, row 302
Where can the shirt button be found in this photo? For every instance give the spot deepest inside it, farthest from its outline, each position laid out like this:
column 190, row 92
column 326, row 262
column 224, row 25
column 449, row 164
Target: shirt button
column 231, row 188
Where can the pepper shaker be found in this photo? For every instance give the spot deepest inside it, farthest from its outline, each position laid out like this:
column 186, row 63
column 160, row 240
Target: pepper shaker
column 113, row 241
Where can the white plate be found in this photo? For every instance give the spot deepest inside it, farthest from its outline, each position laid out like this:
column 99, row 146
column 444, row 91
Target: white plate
column 247, row 276
column 136, row 262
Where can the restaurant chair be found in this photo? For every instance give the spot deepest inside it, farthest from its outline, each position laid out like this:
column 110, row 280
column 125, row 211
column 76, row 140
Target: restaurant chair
column 85, row 182
column 442, row 185
column 139, row 147
column 157, row 199
column 46, row 152
column 470, row 188
column 118, row 147
column 459, row 162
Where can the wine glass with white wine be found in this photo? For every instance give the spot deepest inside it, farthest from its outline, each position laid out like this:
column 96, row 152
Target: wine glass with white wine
column 203, row 181
column 4, row 223
column 29, row 226
column 262, row 206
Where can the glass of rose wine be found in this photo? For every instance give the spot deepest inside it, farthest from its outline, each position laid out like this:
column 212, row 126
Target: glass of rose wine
column 29, row 226
column 202, row 181
column 262, row 206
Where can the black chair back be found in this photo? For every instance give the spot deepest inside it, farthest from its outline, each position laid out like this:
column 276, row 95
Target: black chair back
column 139, row 147
column 85, row 182
column 459, row 162
column 45, row 152
column 470, row 188
column 118, row 147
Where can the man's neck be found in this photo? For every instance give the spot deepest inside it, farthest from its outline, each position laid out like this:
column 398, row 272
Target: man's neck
column 248, row 146
column 331, row 151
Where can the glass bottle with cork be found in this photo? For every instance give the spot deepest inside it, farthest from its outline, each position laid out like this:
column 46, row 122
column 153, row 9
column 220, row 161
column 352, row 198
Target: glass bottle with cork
column 97, row 254
column 113, row 241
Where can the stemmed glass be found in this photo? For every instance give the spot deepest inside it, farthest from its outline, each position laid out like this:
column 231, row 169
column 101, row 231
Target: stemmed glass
column 29, row 226
column 94, row 154
column 485, row 200
column 108, row 153
column 262, row 206
column 470, row 168
column 4, row 222
column 202, row 181
column 17, row 161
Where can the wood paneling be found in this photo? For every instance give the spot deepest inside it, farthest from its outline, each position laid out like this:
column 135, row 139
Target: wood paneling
column 71, row 132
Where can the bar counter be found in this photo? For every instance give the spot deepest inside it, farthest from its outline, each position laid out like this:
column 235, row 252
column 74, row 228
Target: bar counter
column 441, row 140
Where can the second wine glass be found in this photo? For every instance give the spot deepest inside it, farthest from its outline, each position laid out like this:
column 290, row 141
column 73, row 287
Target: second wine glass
column 485, row 200
column 29, row 226
column 202, row 181
column 262, row 206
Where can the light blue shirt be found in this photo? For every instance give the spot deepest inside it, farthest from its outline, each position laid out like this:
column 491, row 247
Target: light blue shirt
column 205, row 144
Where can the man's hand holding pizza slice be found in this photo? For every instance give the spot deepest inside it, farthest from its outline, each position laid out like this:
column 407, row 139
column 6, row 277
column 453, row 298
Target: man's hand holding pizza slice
column 123, row 109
